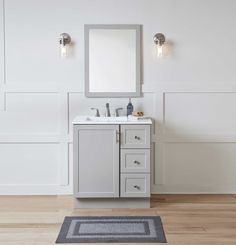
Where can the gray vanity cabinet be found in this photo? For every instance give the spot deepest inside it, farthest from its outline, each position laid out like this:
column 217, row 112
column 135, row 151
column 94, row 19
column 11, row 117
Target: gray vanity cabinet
column 112, row 164
column 96, row 157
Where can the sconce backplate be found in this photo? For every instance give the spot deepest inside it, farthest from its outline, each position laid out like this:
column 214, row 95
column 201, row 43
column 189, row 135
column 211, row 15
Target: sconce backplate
column 64, row 38
column 159, row 38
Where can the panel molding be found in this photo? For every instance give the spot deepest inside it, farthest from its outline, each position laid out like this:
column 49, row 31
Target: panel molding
column 160, row 138
column 62, row 139
column 160, row 186
column 193, row 137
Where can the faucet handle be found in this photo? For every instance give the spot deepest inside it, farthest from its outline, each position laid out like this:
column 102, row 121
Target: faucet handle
column 117, row 111
column 108, row 113
column 97, row 111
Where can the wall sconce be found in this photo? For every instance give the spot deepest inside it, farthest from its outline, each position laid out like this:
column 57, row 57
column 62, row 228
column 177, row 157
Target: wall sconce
column 159, row 40
column 64, row 41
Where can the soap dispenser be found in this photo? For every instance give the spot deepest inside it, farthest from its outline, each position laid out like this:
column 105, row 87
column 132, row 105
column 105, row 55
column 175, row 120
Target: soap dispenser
column 130, row 108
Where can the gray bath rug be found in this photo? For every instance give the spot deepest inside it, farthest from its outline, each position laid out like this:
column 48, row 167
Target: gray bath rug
column 115, row 229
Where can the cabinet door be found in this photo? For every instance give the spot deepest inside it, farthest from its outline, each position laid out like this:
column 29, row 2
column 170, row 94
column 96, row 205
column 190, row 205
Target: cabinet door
column 96, row 161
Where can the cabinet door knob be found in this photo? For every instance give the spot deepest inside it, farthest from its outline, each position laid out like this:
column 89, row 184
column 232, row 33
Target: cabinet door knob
column 136, row 162
column 137, row 187
column 137, row 137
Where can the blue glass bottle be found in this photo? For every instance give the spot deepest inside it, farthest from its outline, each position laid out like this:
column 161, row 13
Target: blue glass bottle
column 130, row 108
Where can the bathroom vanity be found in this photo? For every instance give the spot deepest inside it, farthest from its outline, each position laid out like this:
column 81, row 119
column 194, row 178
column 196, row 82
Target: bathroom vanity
column 111, row 162
column 112, row 154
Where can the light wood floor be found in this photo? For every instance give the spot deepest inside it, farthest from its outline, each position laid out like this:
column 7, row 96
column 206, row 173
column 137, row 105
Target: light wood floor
column 187, row 219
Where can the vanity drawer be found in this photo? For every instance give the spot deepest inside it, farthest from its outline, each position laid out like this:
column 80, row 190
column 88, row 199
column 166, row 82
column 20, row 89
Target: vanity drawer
column 134, row 161
column 135, row 136
column 135, row 185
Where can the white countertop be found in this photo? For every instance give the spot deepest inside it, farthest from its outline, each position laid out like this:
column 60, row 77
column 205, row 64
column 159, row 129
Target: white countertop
column 111, row 120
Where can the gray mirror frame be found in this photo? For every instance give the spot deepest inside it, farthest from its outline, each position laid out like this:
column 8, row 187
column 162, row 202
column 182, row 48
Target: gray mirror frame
column 87, row 28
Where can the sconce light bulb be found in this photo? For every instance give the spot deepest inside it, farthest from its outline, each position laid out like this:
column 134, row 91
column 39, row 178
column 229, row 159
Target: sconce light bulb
column 159, row 50
column 63, row 51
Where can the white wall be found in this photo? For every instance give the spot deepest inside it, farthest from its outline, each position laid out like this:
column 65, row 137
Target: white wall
column 191, row 92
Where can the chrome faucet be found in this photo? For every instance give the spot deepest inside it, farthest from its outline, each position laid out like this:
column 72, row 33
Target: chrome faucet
column 117, row 111
column 97, row 111
column 108, row 113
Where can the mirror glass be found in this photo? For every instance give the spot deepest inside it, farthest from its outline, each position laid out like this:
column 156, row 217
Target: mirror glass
column 112, row 60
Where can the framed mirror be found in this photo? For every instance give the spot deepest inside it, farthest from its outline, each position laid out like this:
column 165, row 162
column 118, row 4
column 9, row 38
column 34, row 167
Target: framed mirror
column 112, row 60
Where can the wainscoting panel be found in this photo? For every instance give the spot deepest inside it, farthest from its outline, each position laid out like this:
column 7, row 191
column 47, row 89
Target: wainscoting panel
column 196, row 145
column 31, row 113
column 29, row 164
column 199, row 113
column 199, row 168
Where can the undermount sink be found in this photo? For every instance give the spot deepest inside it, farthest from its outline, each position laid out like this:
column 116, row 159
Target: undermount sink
column 110, row 120
column 107, row 119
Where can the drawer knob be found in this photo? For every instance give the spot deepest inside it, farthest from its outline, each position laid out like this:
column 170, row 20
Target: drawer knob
column 137, row 187
column 137, row 137
column 136, row 162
